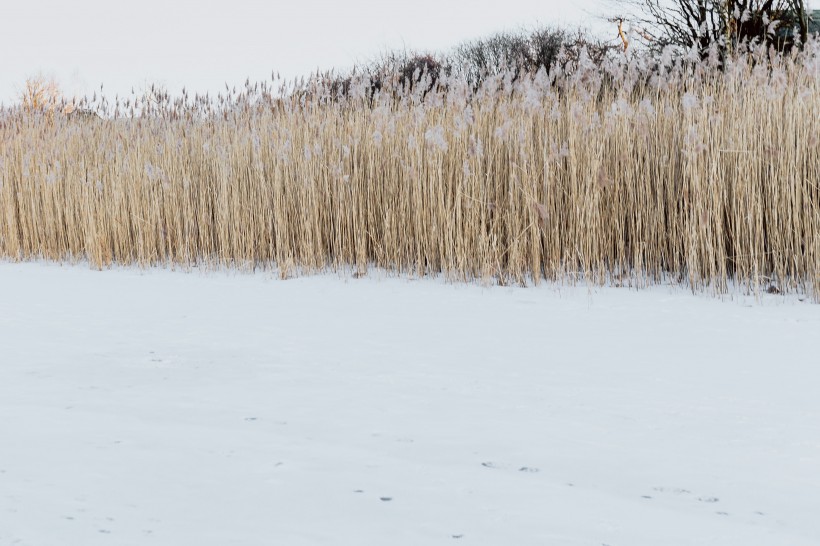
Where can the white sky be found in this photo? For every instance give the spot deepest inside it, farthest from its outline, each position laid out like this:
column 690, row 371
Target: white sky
column 202, row 44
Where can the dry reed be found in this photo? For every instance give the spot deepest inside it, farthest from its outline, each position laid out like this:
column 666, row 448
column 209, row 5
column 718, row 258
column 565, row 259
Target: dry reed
column 622, row 173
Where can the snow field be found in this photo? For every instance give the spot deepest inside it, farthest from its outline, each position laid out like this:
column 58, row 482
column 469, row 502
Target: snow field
column 167, row 408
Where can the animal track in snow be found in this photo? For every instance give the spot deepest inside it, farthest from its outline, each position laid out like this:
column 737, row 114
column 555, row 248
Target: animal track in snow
column 675, row 490
column 526, row 469
column 678, row 491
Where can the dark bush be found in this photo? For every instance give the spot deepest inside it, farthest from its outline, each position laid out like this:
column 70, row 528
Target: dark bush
column 522, row 52
column 416, row 67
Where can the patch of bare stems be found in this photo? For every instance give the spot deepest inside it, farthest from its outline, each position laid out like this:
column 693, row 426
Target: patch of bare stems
column 632, row 170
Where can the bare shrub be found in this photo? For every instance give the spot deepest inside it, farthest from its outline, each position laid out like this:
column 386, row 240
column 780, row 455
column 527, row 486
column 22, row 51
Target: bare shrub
column 41, row 94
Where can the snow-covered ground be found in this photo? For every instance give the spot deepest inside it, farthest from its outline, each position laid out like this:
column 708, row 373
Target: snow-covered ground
column 172, row 408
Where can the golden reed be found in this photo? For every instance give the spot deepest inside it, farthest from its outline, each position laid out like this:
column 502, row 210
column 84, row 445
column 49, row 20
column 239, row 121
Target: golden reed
column 630, row 172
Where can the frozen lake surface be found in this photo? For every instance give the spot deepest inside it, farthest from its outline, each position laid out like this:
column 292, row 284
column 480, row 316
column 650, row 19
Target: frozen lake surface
column 170, row 408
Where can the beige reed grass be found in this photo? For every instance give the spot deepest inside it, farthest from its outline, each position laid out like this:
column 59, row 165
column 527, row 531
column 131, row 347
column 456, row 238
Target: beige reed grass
column 624, row 173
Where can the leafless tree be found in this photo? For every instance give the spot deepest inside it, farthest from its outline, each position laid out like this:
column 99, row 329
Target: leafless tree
column 700, row 23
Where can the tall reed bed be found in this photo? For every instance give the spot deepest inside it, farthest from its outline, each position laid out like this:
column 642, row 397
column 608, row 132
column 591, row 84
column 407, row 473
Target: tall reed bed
column 627, row 172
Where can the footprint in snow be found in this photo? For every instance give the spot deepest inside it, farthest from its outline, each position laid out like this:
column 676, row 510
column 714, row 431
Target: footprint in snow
column 675, row 490
column 527, row 469
column 681, row 491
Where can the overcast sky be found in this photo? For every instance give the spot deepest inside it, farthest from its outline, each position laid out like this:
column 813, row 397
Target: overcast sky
column 202, row 44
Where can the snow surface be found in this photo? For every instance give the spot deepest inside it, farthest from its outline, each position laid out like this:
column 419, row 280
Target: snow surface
column 171, row 408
